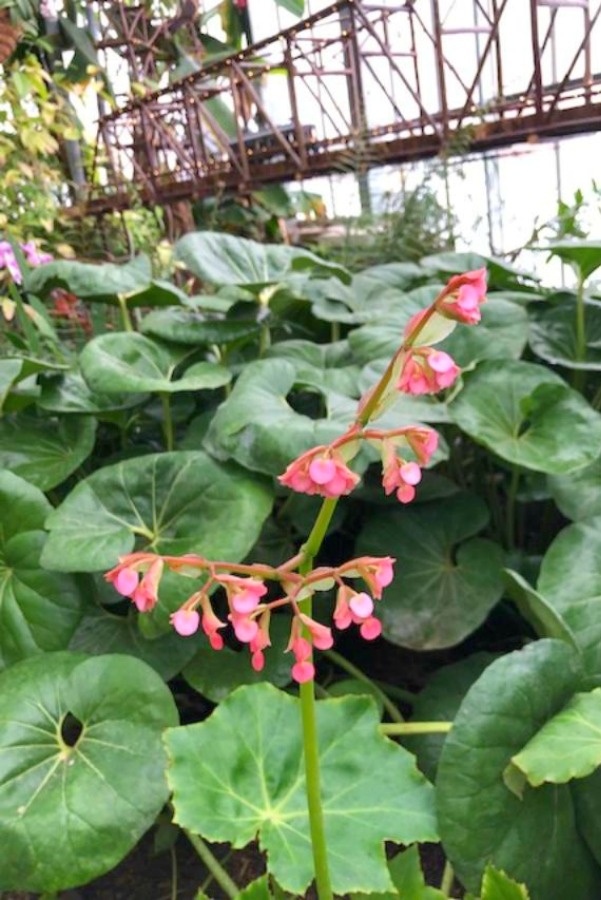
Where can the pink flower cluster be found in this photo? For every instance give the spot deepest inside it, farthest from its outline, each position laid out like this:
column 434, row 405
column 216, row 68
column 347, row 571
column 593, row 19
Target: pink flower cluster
column 138, row 577
column 321, row 471
column 427, row 371
column 32, row 255
column 463, row 296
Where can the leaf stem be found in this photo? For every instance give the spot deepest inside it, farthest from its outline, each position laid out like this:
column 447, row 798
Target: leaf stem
column 448, row 877
column 125, row 316
column 343, row 663
column 397, row 729
column 213, row 865
column 167, row 420
column 579, row 374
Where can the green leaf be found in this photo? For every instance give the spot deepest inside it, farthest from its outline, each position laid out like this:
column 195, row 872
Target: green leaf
column 90, row 282
column 170, row 503
column 131, row 363
column 439, row 701
column 216, row 674
column 329, row 366
column 256, row 890
column 448, row 580
column 583, row 256
column 39, row 611
column 258, row 428
column 567, row 746
column 187, row 326
column 222, row 259
column 536, row 839
column 101, row 632
column 544, row 619
column 528, row 416
column 241, row 773
column 69, row 394
column 553, row 335
column 10, row 369
column 296, row 7
column 45, row 450
column 70, row 810
column 408, row 879
column 502, row 334
column 496, row 885
column 500, row 274
column 570, row 580
column 578, row 495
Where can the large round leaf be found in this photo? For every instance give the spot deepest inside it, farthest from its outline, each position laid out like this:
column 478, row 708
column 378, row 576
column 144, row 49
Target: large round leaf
column 242, row 773
column 553, row 335
column 500, row 273
column 570, row 580
column 45, row 450
column 216, row 675
column 529, row 417
column 258, row 428
column 188, row 326
column 329, row 366
column 578, row 495
column 39, row 610
column 171, row 503
column 73, row 805
column 535, row 839
column 70, row 394
column 101, row 631
column 447, row 579
column 132, row 281
column 222, row 259
column 131, row 363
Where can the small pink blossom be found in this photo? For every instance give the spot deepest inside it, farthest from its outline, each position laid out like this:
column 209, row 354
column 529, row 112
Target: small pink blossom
column 34, row 256
column 260, row 642
column 361, row 605
column 9, row 261
column 463, row 296
column 244, row 594
column 303, row 671
column 146, row 594
column 321, row 635
column 423, row 442
column 371, row 629
column 126, row 582
column 377, row 572
column 245, row 628
column 398, row 475
column 343, row 617
column 185, row 621
column 427, row 371
column 211, row 624
column 320, row 471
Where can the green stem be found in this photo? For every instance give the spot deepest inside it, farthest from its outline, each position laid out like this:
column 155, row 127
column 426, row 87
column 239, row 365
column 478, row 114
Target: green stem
column 510, row 511
column 173, row 874
column 167, row 420
column 213, row 865
column 125, row 316
column 399, row 693
column 264, row 340
column 343, row 663
column 448, row 877
column 335, row 332
column 397, row 729
column 580, row 334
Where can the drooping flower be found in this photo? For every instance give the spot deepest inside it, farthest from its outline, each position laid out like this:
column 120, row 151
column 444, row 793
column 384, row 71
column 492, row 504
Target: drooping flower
column 356, row 608
column 463, row 296
column 259, row 643
column 8, row 261
column 243, row 594
column 146, row 594
column 399, row 475
column 185, row 621
column 303, row 669
column 244, row 627
column 320, row 471
column 427, row 371
column 424, row 443
column 34, row 256
column 126, row 582
column 211, row 624
column 377, row 572
column 321, row 635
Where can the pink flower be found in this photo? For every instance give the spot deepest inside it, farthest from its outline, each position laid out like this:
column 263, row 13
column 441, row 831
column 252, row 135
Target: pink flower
column 463, row 296
column 356, row 608
column 146, row 594
column 185, row 621
column 8, row 261
column 243, row 594
column 423, row 442
column 126, row 581
column 343, row 617
column 303, row 669
column 260, row 642
column 211, row 624
column 34, row 256
column 399, row 476
column 245, row 628
column 371, row 629
column 361, row 605
column 427, row 371
column 320, row 471
column 377, row 572
column 320, row 634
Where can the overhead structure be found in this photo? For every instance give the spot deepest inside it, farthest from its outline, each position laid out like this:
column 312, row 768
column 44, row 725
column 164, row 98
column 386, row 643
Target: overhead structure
column 384, row 83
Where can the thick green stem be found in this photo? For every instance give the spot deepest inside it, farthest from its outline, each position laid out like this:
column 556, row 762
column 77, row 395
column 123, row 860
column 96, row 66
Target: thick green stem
column 343, row 663
column 213, row 865
column 580, row 334
column 167, row 421
column 448, row 877
column 510, row 510
column 264, row 340
column 398, row 729
column 125, row 316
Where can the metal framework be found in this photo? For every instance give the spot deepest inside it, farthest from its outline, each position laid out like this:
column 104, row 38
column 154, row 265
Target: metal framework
column 391, row 82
